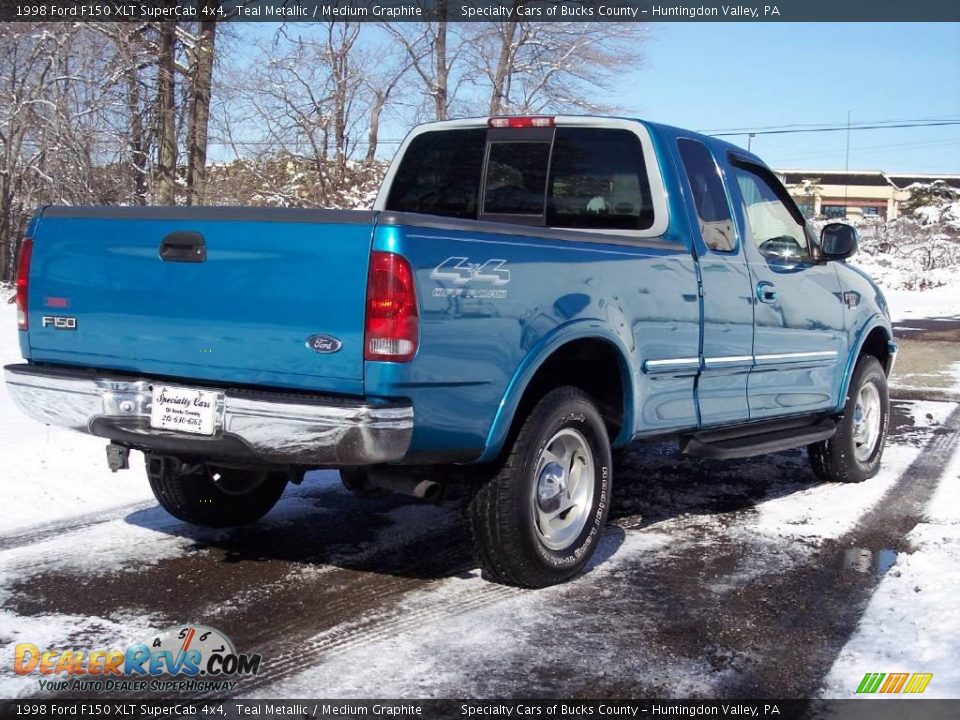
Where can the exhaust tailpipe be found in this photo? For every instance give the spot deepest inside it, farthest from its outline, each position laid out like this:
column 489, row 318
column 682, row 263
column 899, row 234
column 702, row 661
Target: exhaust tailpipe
column 417, row 487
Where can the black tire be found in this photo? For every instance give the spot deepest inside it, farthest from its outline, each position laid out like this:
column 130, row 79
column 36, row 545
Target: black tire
column 503, row 512
column 846, row 456
column 212, row 496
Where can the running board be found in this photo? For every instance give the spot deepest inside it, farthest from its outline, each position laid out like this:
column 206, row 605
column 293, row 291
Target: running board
column 758, row 438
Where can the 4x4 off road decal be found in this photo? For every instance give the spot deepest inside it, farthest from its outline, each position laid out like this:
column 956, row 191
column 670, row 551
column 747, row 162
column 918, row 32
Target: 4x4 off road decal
column 460, row 271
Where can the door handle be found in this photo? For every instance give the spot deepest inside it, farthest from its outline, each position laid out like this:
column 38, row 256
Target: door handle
column 183, row 247
column 766, row 292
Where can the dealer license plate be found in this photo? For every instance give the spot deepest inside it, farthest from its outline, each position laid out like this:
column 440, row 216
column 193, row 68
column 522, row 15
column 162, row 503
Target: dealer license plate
column 183, row 409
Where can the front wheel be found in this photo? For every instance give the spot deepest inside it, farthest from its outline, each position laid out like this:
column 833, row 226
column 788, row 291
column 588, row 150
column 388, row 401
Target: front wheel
column 853, row 454
column 538, row 520
column 212, row 496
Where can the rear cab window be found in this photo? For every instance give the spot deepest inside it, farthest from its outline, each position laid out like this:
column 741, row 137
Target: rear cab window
column 440, row 174
column 580, row 178
column 515, row 177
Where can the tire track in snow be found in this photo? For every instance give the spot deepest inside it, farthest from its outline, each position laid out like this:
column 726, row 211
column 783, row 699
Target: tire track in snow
column 45, row 531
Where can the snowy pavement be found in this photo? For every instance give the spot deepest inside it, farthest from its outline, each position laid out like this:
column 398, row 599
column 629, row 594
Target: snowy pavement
column 740, row 579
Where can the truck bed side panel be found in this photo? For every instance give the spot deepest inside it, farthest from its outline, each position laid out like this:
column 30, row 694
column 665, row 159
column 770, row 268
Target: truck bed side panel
column 528, row 291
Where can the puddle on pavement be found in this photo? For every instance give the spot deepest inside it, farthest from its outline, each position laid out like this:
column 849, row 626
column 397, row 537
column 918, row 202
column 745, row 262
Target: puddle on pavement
column 865, row 561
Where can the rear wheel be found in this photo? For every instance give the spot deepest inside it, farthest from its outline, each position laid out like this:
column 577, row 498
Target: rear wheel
column 538, row 520
column 853, row 454
column 213, row 496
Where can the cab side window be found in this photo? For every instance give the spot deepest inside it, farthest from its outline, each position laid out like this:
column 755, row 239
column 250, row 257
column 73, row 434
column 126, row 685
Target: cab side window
column 713, row 211
column 775, row 228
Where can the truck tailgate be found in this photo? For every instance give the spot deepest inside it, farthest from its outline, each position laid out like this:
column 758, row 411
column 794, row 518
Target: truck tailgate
column 235, row 300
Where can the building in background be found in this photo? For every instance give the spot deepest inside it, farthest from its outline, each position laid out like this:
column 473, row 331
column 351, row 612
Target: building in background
column 854, row 193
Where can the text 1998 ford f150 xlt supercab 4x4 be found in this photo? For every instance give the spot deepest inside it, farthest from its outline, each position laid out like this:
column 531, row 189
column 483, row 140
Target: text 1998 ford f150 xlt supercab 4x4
column 527, row 292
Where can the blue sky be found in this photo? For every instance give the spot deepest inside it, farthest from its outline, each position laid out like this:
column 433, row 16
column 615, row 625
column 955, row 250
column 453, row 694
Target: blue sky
column 707, row 76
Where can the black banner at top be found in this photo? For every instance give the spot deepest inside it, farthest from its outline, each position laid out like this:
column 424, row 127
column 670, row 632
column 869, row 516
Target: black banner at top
column 480, row 10
column 473, row 709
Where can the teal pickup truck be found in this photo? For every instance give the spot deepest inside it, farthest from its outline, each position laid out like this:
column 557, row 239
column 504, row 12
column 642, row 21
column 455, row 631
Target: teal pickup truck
column 526, row 293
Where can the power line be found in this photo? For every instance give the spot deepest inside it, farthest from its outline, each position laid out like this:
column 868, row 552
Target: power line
column 743, row 130
column 834, row 128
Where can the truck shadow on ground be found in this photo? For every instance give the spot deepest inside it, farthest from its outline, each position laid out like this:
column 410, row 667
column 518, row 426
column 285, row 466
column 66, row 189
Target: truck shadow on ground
column 321, row 524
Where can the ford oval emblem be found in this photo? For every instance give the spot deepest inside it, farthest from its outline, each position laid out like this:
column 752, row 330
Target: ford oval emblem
column 323, row 343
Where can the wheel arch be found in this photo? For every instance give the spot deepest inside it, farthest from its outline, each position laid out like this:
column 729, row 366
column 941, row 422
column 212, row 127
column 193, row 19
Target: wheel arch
column 555, row 362
column 874, row 338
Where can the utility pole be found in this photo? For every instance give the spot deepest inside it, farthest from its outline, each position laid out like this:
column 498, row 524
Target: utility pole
column 750, row 137
column 846, row 168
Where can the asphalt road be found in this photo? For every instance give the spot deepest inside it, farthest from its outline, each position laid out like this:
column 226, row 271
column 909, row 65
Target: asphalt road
column 929, row 360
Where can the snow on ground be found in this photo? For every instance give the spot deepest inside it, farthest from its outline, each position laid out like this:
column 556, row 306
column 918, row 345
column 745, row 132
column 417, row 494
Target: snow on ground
column 53, row 474
column 829, row 511
column 911, row 624
column 939, row 302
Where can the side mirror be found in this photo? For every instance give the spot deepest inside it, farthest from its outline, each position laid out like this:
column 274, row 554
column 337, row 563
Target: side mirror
column 838, row 241
column 783, row 248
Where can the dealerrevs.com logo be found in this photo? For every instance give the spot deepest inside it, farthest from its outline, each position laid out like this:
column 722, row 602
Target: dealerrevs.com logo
column 188, row 658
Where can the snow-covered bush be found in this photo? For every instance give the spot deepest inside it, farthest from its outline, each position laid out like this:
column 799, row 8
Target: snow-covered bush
column 907, row 253
column 292, row 181
column 933, row 203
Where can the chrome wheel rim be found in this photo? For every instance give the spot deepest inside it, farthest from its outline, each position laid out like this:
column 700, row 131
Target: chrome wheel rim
column 563, row 491
column 866, row 422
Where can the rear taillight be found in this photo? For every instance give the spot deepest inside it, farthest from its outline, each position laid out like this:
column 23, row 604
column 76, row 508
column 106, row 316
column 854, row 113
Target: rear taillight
column 392, row 326
column 23, row 281
column 522, row 121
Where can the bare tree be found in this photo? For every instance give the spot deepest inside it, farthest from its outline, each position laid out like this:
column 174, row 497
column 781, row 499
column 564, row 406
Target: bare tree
column 435, row 50
column 133, row 64
column 29, row 55
column 55, row 144
column 164, row 184
column 201, row 82
column 337, row 54
column 530, row 66
column 381, row 87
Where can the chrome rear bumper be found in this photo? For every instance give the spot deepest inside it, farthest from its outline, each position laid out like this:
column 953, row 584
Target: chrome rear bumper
column 269, row 427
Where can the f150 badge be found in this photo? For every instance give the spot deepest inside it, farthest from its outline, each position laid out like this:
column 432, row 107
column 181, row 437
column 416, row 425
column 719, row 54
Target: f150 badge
column 59, row 322
column 460, row 271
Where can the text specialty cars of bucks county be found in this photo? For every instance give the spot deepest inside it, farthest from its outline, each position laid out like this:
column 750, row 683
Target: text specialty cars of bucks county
column 527, row 293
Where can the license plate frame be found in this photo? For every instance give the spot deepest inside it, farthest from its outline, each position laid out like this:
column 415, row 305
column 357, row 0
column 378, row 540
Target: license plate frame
column 186, row 410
